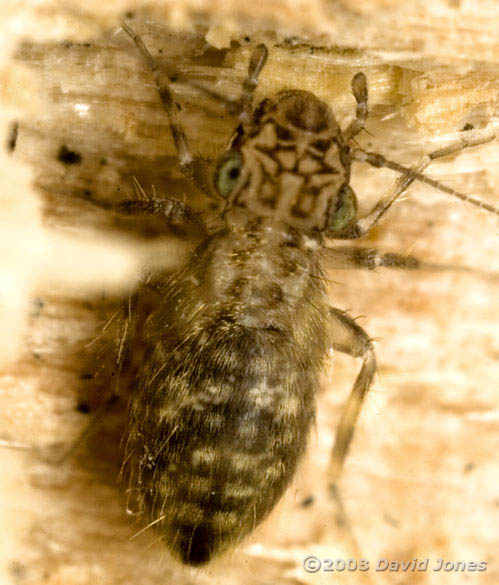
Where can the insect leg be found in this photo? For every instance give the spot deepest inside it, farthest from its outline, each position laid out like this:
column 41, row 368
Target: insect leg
column 175, row 213
column 240, row 108
column 409, row 175
column 126, row 316
column 350, row 338
column 57, row 453
column 196, row 169
column 359, row 90
column 361, row 257
column 345, row 257
column 257, row 63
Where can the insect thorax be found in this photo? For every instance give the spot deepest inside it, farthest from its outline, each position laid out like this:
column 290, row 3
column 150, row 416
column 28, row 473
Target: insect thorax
column 294, row 163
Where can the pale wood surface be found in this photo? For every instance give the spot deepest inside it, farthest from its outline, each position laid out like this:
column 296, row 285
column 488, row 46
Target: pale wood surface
column 421, row 478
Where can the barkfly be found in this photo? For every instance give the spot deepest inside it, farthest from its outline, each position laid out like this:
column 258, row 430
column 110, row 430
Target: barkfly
column 224, row 398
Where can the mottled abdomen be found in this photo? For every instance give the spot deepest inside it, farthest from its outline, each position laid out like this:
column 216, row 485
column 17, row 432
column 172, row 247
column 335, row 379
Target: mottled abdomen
column 220, row 418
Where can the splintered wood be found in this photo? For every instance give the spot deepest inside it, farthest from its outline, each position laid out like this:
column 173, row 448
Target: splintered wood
column 81, row 117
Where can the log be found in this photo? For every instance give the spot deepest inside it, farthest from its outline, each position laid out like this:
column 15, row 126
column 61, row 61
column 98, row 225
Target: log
column 80, row 115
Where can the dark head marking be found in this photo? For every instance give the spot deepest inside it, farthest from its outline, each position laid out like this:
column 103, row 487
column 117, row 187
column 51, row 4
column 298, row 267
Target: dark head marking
column 307, row 114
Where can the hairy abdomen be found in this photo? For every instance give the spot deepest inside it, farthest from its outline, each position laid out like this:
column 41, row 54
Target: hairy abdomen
column 221, row 414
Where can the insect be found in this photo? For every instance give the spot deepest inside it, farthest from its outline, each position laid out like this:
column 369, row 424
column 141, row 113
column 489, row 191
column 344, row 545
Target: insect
column 225, row 394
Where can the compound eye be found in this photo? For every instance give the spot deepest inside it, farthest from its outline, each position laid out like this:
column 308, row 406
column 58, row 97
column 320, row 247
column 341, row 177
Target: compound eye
column 342, row 211
column 228, row 172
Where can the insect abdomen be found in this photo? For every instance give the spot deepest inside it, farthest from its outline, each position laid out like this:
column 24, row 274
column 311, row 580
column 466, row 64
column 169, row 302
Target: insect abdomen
column 220, row 420
column 215, row 456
